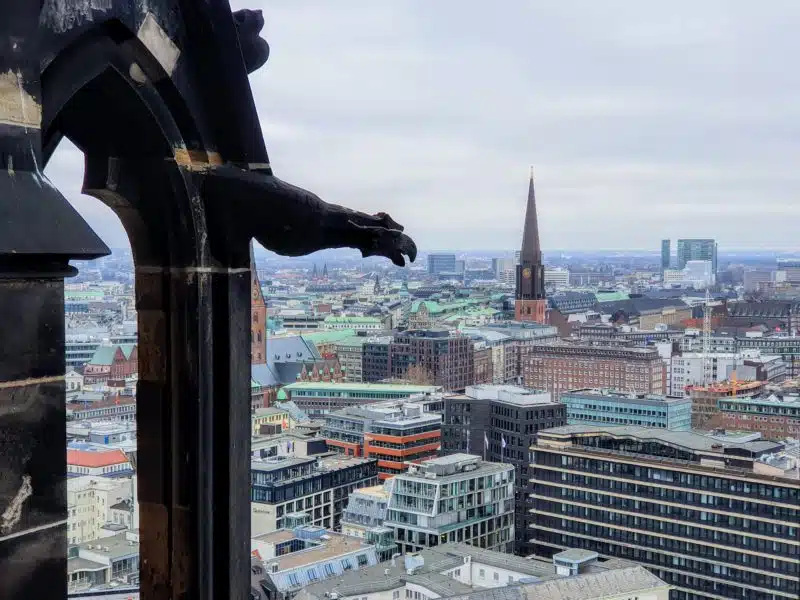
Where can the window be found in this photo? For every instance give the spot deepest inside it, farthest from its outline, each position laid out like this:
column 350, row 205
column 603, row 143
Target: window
column 482, row 574
column 346, row 564
column 312, row 574
column 497, row 576
column 362, row 560
column 293, row 579
column 396, row 595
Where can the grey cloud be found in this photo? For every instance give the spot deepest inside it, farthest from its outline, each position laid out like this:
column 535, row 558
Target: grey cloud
column 644, row 120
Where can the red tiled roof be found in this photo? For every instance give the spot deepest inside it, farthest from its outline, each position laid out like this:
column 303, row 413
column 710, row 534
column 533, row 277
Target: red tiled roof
column 82, row 458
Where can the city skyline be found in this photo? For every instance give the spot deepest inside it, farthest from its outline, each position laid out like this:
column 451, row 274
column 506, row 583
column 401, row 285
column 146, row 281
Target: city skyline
column 649, row 125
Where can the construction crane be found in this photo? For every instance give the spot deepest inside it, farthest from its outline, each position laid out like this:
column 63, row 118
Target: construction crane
column 707, row 340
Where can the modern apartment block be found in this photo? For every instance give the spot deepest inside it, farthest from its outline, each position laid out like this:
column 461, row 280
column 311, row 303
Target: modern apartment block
column 561, row 367
column 319, row 487
column 444, row 356
column 318, row 398
column 592, row 406
column 486, row 418
column 456, row 498
column 396, row 433
column 715, row 519
column 364, row 517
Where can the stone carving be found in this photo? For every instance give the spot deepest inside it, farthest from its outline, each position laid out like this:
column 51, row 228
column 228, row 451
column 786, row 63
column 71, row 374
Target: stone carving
column 290, row 220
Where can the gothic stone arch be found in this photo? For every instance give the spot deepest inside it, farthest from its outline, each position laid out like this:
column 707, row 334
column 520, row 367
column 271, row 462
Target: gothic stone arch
column 155, row 93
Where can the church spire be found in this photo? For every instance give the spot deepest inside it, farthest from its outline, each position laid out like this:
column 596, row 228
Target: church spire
column 530, row 304
column 531, row 250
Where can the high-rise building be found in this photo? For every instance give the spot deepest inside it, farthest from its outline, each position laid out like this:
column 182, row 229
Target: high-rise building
column 713, row 517
column 500, row 423
column 455, row 498
column 530, row 300
column 697, row 249
column 441, row 263
column 665, row 254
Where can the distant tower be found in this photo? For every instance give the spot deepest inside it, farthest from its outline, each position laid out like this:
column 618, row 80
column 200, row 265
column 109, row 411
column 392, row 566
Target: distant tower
column 325, row 271
column 314, row 272
column 530, row 300
column 666, row 254
column 258, row 316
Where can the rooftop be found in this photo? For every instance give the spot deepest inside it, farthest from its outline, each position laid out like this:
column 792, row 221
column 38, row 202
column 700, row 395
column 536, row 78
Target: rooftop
column 95, row 458
column 335, row 545
column 377, row 388
column 684, row 439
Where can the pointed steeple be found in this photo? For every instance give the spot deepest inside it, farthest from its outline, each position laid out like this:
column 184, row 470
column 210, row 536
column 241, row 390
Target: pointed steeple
column 531, row 250
column 314, row 272
column 325, row 271
column 530, row 298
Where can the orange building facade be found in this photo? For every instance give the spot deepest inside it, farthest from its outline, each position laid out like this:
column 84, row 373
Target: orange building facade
column 396, row 434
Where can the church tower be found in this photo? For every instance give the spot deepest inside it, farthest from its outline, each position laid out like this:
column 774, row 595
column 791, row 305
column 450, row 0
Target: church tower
column 530, row 301
column 258, row 316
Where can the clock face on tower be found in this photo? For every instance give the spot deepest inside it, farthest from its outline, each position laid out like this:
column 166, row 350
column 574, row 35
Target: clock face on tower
column 526, row 273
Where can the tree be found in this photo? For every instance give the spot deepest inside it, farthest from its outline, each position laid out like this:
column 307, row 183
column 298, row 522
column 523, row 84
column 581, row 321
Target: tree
column 419, row 375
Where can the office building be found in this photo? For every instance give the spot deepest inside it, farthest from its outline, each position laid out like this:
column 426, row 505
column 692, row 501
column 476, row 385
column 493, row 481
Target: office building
column 530, row 301
column 556, row 279
column 455, row 498
column 715, row 519
column 697, row 249
column 499, row 423
column 610, row 407
column 688, row 369
column 560, row 367
column 395, row 433
column 376, row 365
column 464, row 572
column 442, row 357
column 282, row 485
column 773, row 417
column 441, row 263
column 791, row 269
column 665, row 254
column 321, row 398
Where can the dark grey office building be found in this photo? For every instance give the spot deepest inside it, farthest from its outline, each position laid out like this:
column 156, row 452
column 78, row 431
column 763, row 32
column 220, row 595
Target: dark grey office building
column 441, row 263
column 714, row 518
column 483, row 418
column 665, row 254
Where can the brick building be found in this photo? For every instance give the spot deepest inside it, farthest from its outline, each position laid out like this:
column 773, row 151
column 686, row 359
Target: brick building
column 558, row 368
column 446, row 357
column 774, row 418
column 110, row 363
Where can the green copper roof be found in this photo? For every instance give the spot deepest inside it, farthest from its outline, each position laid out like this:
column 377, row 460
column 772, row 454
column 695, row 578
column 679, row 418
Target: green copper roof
column 104, row 355
column 281, row 394
column 328, row 337
column 354, row 320
column 610, row 296
column 437, row 308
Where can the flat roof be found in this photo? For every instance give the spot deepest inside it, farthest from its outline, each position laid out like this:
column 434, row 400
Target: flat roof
column 336, row 545
column 361, row 387
column 685, row 439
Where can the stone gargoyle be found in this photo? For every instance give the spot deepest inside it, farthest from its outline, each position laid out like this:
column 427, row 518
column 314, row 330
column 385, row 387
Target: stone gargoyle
column 285, row 218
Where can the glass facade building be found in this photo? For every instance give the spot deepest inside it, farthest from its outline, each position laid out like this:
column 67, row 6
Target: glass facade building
column 609, row 407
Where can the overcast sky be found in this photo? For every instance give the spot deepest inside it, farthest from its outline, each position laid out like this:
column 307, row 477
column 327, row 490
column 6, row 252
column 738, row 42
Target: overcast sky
column 643, row 119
